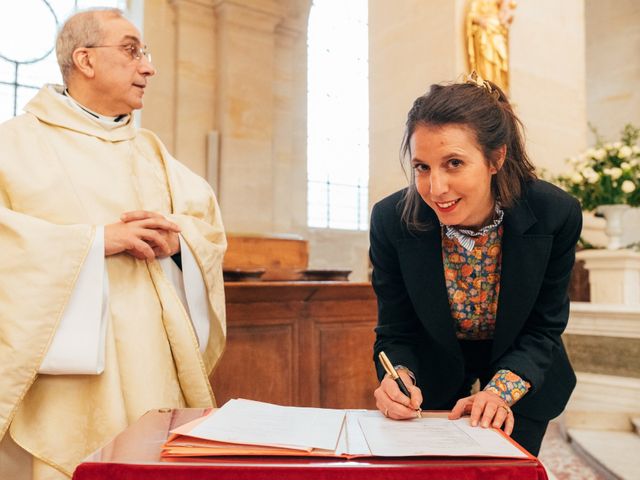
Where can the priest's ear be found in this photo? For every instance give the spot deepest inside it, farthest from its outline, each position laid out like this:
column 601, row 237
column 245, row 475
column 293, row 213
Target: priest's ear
column 83, row 61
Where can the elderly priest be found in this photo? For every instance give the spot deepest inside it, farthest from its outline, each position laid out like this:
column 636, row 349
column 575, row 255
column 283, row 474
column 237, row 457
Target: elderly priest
column 111, row 292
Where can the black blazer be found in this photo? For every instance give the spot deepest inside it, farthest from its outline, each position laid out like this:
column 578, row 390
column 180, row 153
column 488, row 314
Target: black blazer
column 415, row 327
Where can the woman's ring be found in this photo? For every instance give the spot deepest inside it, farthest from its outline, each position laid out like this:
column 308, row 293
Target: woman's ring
column 506, row 407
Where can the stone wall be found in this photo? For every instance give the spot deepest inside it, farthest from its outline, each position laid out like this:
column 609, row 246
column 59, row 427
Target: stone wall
column 613, row 64
column 229, row 99
column 415, row 43
column 603, row 342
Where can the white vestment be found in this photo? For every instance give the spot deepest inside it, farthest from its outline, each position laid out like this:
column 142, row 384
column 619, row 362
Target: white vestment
column 62, row 176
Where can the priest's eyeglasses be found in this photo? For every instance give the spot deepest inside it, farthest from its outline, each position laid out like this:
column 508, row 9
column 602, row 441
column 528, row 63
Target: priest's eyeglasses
column 136, row 52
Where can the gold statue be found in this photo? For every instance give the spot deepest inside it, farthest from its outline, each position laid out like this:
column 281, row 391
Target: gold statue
column 487, row 30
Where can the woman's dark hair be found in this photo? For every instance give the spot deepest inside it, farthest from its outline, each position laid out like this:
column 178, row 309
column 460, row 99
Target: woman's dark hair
column 484, row 109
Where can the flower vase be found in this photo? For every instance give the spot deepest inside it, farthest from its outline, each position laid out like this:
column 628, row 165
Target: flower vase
column 613, row 215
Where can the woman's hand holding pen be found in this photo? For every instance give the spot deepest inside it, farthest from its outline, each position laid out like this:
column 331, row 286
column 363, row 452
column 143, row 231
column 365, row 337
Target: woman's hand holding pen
column 486, row 409
column 393, row 403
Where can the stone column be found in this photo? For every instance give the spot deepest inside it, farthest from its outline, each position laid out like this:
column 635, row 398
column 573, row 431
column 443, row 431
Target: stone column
column 195, row 87
column 246, row 46
column 229, row 101
column 289, row 172
column 613, row 65
column 412, row 44
column 180, row 104
column 159, row 101
column 548, row 79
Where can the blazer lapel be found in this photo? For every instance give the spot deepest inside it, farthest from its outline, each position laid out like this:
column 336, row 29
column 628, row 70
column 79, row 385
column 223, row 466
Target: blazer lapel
column 421, row 264
column 524, row 258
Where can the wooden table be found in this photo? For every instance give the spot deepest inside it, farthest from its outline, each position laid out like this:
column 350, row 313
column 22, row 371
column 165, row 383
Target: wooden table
column 135, row 454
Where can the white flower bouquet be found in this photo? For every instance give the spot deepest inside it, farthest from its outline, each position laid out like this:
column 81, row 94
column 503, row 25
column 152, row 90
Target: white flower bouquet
column 606, row 174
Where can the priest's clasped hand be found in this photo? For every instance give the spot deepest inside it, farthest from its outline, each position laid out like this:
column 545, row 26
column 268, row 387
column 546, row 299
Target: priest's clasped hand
column 487, row 409
column 142, row 234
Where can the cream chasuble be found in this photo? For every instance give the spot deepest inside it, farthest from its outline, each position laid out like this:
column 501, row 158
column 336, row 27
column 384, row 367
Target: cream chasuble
column 61, row 175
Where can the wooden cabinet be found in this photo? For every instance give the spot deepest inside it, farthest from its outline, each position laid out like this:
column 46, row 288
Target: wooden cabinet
column 299, row 343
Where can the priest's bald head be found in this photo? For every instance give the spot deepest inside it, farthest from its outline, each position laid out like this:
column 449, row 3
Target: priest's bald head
column 104, row 63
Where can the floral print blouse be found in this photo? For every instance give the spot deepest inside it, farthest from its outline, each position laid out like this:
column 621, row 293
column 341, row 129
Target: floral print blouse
column 473, row 285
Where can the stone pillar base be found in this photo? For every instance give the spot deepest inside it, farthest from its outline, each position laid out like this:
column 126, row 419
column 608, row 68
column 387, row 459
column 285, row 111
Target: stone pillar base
column 614, row 275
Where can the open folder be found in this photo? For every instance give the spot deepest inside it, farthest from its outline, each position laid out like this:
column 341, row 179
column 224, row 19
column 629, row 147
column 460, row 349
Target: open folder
column 246, row 427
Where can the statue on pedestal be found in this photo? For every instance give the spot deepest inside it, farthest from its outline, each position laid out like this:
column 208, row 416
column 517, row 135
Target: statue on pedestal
column 487, row 32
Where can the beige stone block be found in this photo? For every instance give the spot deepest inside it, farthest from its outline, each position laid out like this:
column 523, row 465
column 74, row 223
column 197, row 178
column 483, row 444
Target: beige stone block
column 593, row 230
column 616, row 453
column 606, row 355
column 246, row 95
column 597, row 420
column 195, row 85
column 252, row 9
column 613, row 64
column 181, row 99
column 386, row 175
column 548, row 79
column 246, row 184
column 412, row 44
column 352, row 253
column 159, row 102
column 603, row 401
column 614, row 275
column 604, row 320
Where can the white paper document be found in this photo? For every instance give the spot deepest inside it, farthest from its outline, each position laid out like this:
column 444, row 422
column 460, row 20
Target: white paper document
column 335, row 433
column 433, row 436
column 352, row 441
column 257, row 423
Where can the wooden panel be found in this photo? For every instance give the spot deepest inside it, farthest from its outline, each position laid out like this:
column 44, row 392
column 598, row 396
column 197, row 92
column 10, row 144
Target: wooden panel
column 264, row 313
column 347, row 377
column 250, row 292
column 259, row 363
column 345, row 309
column 322, row 360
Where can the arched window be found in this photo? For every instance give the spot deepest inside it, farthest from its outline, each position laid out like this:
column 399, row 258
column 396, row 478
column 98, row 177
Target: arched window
column 338, row 115
column 27, row 47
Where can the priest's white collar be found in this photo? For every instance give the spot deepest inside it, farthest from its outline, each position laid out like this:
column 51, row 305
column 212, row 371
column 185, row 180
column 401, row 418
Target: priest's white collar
column 106, row 121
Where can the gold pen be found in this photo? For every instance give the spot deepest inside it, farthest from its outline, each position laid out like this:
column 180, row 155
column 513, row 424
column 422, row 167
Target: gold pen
column 393, row 374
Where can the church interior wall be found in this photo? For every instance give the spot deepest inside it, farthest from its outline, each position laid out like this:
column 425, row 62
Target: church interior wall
column 548, row 79
column 237, row 68
column 412, row 44
column 419, row 43
column 159, row 31
column 180, row 105
column 613, row 65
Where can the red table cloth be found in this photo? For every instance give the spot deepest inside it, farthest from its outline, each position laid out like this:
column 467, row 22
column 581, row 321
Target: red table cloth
column 135, row 454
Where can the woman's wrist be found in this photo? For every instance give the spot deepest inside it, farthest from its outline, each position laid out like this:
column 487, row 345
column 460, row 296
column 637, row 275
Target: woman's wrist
column 402, row 368
column 508, row 385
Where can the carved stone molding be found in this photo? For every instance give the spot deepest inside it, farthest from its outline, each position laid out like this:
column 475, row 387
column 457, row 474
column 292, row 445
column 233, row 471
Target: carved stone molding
column 609, row 320
column 254, row 15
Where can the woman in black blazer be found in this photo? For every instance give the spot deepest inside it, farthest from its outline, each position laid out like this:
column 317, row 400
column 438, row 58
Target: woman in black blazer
column 471, row 265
